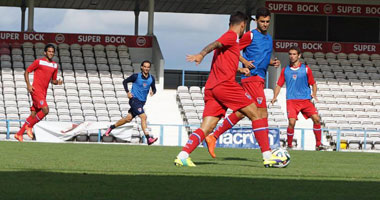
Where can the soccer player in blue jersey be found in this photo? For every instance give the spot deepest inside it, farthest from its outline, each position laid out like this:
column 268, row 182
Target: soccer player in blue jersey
column 142, row 82
column 257, row 46
column 298, row 78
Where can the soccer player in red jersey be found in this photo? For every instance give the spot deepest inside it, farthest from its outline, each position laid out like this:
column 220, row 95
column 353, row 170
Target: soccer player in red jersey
column 298, row 78
column 222, row 91
column 257, row 46
column 45, row 71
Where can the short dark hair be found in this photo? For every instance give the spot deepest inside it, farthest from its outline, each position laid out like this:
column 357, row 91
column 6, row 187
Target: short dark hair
column 296, row 48
column 238, row 17
column 146, row 61
column 49, row 46
column 262, row 12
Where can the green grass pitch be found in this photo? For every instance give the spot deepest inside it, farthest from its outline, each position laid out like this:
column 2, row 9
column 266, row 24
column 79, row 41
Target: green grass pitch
column 99, row 171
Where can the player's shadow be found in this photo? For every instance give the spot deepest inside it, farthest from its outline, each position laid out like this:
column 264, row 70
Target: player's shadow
column 234, row 158
column 206, row 163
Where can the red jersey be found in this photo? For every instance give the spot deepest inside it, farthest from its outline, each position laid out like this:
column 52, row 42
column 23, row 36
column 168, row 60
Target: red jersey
column 225, row 61
column 44, row 71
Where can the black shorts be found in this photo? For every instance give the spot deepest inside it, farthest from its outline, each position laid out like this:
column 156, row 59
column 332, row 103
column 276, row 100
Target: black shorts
column 137, row 107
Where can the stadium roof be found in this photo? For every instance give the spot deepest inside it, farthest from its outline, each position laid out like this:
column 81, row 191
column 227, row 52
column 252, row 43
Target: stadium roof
column 177, row 6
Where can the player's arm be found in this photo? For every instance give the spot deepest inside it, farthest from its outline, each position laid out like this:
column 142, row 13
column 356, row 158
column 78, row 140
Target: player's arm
column 153, row 86
column 280, row 83
column 246, row 63
column 244, row 71
column 275, row 62
column 132, row 78
column 30, row 69
column 29, row 87
column 245, row 41
column 277, row 90
column 199, row 57
column 314, row 92
column 57, row 82
column 54, row 80
column 312, row 82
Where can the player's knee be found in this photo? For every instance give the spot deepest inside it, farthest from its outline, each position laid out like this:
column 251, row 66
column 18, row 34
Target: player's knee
column 45, row 110
column 292, row 124
column 143, row 117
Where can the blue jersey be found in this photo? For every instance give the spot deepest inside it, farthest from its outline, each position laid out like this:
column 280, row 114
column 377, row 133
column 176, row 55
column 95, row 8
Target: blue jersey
column 258, row 48
column 141, row 85
column 298, row 81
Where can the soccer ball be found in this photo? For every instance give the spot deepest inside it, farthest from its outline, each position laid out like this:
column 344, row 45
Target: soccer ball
column 282, row 153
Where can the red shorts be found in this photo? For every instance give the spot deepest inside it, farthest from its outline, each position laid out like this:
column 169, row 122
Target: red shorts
column 256, row 90
column 300, row 105
column 39, row 101
column 225, row 95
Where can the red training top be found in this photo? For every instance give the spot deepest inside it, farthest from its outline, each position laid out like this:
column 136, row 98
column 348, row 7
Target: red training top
column 225, row 61
column 44, row 71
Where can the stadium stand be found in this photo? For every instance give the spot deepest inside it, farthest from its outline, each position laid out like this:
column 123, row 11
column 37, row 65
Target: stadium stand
column 92, row 89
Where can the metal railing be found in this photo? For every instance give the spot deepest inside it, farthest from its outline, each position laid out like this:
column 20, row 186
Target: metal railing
column 180, row 129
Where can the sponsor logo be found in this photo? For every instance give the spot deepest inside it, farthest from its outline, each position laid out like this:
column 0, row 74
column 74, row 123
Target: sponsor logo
column 244, row 138
column 140, row 41
column 328, row 9
column 259, row 100
column 336, row 47
column 189, row 142
column 144, row 84
column 42, row 102
column 139, row 109
column 60, row 38
column 294, row 76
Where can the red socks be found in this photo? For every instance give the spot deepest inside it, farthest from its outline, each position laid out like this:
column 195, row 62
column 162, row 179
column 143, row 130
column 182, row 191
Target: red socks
column 290, row 134
column 318, row 134
column 194, row 140
column 228, row 123
column 33, row 120
column 22, row 130
column 260, row 129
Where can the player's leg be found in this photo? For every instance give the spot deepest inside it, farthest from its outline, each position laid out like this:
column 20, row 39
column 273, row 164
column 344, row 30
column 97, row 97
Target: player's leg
column 121, row 121
column 227, row 124
column 196, row 138
column 293, row 108
column 309, row 111
column 256, row 90
column 260, row 128
column 39, row 116
column 20, row 133
column 212, row 113
column 317, row 132
column 149, row 140
column 290, row 131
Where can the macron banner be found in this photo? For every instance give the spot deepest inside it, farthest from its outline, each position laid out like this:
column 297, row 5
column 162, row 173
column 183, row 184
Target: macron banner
column 335, row 47
column 69, row 38
column 62, row 131
column 244, row 138
column 323, row 8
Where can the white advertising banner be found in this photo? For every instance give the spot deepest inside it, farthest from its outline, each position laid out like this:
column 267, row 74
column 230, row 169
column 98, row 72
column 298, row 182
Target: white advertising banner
column 62, row 131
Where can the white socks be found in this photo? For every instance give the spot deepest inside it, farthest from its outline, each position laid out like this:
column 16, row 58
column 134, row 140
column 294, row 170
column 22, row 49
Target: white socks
column 267, row 155
column 183, row 155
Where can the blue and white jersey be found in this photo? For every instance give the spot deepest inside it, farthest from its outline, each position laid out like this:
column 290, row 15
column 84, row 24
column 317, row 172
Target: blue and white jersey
column 257, row 47
column 141, row 85
column 298, row 81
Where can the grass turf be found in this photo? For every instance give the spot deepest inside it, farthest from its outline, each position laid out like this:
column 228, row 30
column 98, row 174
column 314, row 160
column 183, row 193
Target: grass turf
column 98, row 171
